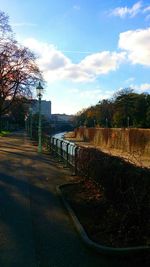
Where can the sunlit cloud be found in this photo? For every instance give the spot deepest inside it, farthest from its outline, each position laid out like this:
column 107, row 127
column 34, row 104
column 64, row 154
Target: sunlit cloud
column 141, row 88
column 131, row 12
column 103, row 62
column 122, row 12
column 147, row 9
column 145, row 87
column 95, row 94
column 137, row 45
column 57, row 66
column 129, row 80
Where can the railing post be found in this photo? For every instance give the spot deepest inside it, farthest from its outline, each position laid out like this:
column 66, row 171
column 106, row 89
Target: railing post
column 75, row 161
column 54, row 146
column 66, row 157
column 60, row 154
column 49, row 147
column 57, row 147
column 67, row 160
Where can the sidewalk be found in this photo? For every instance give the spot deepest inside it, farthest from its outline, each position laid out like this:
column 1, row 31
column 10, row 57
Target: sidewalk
column 35, row 230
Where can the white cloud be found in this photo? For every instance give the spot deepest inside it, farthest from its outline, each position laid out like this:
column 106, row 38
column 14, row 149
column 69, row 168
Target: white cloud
column 91, row 94
column 147, row 12
column 56, row 66
column 137, row 44
column 147, row 17
column 122, row 12
column 129, row 80
column 49, row 57
column 76, row 73
column 50, row 60
column 145, row 87
column 95, row 94
column 147, row 9
column 102, row 63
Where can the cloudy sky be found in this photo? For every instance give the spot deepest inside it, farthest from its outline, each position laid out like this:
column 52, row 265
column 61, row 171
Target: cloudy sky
column 87, row 49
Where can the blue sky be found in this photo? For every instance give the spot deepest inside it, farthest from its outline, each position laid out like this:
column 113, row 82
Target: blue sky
column 87, row 49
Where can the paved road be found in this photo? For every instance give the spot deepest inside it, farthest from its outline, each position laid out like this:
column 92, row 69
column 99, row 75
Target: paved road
column 35, row 230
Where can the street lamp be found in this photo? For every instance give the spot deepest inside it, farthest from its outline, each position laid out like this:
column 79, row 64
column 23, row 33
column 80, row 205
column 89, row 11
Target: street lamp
column 106, row 120
column 128, row 121
column 30, row 112
column 39, row 90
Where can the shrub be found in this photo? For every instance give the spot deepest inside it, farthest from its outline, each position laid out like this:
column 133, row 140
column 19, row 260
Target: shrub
column 125, row 186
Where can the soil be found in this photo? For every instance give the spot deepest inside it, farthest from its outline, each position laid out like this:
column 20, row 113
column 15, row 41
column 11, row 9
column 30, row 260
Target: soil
column 98, row 217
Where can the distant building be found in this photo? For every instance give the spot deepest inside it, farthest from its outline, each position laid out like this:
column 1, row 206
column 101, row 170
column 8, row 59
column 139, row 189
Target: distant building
column 45, row 107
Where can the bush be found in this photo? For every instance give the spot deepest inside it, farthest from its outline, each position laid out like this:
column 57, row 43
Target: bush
column 125, row 187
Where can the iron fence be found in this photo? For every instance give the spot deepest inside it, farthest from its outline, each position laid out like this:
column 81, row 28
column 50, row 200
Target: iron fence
column 65, row 151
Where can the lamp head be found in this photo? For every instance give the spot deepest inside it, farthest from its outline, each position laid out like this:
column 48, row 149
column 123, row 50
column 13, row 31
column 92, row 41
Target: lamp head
column 39, row 90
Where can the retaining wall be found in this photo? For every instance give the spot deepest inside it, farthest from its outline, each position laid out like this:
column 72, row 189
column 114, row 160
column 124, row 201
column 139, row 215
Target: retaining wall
column 130, row 140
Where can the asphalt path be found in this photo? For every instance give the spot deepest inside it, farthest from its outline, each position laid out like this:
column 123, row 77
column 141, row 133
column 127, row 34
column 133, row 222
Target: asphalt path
column 35, row 229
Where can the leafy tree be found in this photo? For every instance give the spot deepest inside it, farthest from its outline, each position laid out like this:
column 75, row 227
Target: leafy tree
column 148, row 118
column 127, row 108
column 148, row 112
column 80, row 118
column 139, row 119
column 106, row 113
column 124, row 106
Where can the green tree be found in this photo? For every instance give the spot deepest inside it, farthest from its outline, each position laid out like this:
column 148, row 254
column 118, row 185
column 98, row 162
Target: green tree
column 79, row 119
column 126, row 109
column 105, row 113
column 148, row 112
column 140, row 104
column 124, row 104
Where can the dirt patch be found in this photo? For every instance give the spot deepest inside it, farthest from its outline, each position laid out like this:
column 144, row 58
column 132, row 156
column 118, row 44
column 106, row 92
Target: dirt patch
column 100, row 219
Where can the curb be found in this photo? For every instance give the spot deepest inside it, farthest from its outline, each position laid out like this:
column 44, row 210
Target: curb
column 88, row 242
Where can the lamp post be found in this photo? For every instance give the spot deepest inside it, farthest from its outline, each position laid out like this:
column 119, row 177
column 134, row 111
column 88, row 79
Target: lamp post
column 39, row 90
column 30, row 110
column 106, row 120
column 128, row 121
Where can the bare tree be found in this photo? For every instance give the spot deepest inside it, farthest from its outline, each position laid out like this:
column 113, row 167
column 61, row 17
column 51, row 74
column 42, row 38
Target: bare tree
column 5, row 28
column 19, row 72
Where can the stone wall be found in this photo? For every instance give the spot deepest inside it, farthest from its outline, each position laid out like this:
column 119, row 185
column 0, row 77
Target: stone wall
column 130, row 140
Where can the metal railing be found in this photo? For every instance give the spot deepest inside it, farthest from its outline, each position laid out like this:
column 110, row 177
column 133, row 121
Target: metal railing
column 65, row 151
